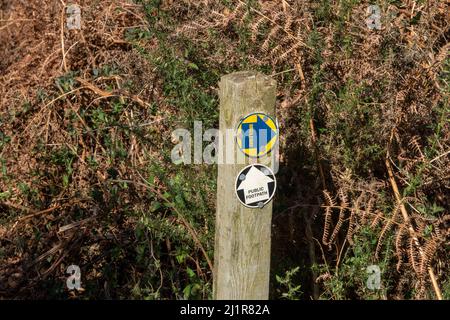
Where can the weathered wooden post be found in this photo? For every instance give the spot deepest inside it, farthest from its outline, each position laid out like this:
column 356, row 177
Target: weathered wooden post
column 242, row 240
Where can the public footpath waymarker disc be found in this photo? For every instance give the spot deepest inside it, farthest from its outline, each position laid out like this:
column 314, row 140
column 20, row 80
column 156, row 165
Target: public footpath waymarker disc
column 257, row 134
column 255, row 185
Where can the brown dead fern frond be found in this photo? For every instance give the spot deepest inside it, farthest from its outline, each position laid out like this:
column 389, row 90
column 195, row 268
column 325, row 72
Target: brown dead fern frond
column 338, row 224
column 368, row 212
column 355, row 212
column 255, row 27
column 273, row 32
column 329, row 201
column 416, row 146
column 343, row 207
column 386, row 229
column 379, row 216
column 402, row 232
column 287, row 53
column 413, row 256
column 428, row 253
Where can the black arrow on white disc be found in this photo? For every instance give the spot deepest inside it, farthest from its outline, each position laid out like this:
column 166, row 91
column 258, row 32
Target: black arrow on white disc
column 255, row 185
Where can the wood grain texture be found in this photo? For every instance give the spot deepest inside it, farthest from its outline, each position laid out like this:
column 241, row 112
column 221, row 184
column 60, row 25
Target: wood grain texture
column 242, row 240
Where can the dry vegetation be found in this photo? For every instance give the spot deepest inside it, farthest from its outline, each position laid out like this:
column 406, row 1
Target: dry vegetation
column 86, row 116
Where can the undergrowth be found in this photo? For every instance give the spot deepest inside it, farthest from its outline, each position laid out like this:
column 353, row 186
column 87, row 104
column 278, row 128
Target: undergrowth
column 85, row 144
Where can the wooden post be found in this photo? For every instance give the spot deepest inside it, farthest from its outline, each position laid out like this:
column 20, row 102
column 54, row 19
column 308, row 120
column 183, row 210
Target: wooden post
column 242, row 240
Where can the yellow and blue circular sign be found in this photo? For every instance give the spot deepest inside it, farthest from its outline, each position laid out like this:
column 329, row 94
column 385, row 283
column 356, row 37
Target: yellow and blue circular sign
column 257, row 134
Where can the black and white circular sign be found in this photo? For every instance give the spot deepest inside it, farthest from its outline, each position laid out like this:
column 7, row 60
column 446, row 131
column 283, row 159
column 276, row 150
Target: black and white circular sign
column 255, row 185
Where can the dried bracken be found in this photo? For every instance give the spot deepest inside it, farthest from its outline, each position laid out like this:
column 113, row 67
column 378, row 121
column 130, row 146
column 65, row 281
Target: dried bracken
column 350, row 98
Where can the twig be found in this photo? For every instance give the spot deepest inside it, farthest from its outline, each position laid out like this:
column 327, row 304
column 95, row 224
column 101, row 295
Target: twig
column 48, row 210
column 63, row 95
column 50, row 252
column 440, row 156
column 62, row 40
column 74, row 224
column 93, row 88
column 340, row 256
column 299, row 69
column 6, row 25
column 106, row 94
column 281, row 72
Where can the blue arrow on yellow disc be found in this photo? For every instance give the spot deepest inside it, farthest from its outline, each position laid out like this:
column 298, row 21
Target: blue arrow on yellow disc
column 257, row 134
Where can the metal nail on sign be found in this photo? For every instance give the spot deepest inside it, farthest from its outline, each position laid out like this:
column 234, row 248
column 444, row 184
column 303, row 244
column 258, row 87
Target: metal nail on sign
column 257, row 134
column 255, row 185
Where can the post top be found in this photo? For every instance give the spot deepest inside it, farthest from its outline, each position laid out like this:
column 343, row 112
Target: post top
column 242, row 76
